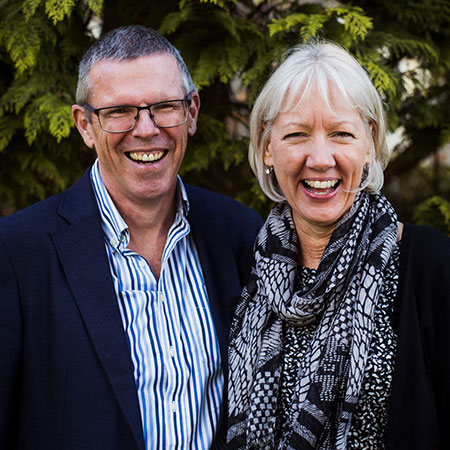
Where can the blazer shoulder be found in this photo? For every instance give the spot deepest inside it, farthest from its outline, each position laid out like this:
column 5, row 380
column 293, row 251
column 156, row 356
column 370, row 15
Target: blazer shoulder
column 32, row 217
column 425, row 246
column 67, row 207
column 424, row 273
column 232, row 211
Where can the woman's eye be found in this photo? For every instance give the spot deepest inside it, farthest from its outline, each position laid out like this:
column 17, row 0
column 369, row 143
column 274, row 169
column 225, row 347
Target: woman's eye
column 343, row 134
column 297, row 134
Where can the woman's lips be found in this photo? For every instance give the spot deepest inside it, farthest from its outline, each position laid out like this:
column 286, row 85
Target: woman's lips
column 321, row 187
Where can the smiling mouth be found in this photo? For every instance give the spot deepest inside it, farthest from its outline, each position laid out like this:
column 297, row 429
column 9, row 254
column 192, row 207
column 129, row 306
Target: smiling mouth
column 321, row 187
column 146, row 158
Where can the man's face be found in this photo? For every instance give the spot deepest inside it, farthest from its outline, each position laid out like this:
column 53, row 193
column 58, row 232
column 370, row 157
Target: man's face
column 130, row 177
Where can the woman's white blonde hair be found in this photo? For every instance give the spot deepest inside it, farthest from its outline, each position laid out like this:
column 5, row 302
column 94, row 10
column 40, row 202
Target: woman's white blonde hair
column 310, row 65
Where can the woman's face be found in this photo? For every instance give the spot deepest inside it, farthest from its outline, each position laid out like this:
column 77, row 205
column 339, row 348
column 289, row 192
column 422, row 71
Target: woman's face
column 318, row 156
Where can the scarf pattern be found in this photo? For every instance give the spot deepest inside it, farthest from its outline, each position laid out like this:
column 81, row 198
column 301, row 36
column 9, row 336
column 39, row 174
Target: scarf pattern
column 343, row 298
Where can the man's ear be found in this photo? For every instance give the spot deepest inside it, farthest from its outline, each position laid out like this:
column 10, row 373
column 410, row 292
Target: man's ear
column 83, row 125
column 193, row 113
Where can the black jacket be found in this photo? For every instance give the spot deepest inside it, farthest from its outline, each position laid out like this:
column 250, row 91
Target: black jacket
column 419, row 413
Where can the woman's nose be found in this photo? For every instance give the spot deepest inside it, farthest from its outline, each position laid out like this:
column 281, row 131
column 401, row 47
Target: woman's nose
column 320, row 154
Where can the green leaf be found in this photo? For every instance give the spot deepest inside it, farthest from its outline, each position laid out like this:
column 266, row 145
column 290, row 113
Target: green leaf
column 170, row 23
column 34, row 122
column 354, row 20
column 286, row 23
column 60, row 122
column 22, row 42
column 8, row 127
column 29, row 8
column 434, row 212
column 57, row 10
column 383, row 80
column 96, row 6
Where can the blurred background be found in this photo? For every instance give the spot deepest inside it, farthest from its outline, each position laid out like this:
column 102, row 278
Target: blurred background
column 230, row 47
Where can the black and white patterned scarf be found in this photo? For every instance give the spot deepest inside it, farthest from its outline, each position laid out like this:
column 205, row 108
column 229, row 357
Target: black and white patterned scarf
column 343, row 297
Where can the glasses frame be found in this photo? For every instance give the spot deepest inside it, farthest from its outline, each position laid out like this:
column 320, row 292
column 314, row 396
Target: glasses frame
column 96, row 111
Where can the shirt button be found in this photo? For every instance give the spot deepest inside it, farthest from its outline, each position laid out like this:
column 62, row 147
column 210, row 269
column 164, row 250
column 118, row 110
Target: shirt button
column 142, row 263
column 172, row 352
column 113, row 242
column 162, row 297
column 173, row 407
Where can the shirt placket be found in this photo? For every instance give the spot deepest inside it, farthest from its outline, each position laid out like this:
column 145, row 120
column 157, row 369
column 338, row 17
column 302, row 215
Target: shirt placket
column 169, row 325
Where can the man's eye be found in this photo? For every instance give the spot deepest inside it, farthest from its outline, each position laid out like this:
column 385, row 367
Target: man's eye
column 164, row 107
column 119, row 111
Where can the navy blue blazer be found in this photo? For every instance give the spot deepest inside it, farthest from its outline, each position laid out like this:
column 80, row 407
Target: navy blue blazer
column 66, row 376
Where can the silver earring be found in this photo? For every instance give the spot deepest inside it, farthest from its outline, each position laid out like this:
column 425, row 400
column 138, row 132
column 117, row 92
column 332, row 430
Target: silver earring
column 365, row 173
column 268, row 170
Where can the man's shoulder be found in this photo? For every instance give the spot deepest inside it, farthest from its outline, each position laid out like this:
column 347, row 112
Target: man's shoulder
column 42, row 214
column 31, row 216
column 209, row 202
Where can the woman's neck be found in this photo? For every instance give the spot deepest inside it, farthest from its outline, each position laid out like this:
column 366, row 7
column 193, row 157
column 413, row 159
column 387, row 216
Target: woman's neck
column 312, row 244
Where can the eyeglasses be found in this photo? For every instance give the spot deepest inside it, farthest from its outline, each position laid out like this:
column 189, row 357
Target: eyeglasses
column 119, row 119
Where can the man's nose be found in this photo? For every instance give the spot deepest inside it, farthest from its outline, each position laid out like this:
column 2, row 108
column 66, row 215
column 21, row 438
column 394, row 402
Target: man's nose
column 145, row 125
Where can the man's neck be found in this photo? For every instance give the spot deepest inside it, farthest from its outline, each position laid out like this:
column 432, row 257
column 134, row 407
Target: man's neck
column 148, row 224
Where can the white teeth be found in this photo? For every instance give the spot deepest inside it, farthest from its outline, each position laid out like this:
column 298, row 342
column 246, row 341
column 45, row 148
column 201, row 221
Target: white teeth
column 321, row 184
column 145, row 157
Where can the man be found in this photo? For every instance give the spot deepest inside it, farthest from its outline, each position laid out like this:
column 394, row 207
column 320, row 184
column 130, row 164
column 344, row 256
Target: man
column 116, row 294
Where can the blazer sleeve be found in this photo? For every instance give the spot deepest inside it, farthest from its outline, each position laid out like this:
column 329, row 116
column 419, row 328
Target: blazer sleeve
column 431, row 281
column 10, row 346
column 420, row 402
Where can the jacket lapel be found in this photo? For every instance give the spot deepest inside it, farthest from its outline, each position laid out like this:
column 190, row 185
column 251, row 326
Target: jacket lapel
column 81, row 249
column 218, row 263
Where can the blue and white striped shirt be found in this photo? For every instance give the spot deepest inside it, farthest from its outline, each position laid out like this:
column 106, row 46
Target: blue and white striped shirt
column 170, row 330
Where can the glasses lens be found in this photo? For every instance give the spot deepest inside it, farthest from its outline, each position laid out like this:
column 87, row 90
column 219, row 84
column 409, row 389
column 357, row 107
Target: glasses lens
column 118, row 118
column 169, row 114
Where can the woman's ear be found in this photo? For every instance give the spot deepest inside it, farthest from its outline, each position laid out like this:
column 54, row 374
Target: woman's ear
column 372, row 149
column 268, row 157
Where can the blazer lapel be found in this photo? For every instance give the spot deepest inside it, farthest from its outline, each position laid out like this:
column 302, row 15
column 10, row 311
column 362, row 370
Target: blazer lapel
column 83, row 257
column 219, row 266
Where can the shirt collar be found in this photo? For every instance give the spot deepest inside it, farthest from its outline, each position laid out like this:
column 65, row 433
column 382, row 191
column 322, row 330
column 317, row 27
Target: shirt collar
column 114, row 226
column 182, row 199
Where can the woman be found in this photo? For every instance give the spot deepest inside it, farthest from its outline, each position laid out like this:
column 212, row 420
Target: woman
column 341, row 338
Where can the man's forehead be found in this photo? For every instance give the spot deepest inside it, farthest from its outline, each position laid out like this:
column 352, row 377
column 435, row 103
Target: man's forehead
column 150, row 61
column 157, row 74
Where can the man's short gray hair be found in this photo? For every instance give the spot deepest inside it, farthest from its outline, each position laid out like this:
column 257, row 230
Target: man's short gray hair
column 127, row 43
column 317, row 64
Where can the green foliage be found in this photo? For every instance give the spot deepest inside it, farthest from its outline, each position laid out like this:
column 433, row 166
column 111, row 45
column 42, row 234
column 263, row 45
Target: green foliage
column 57, row 10
column 231, row 47
column 385, row 80
column 8, row 126
column 355, row 22
column 41, row 43
column 434, row 212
